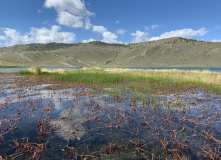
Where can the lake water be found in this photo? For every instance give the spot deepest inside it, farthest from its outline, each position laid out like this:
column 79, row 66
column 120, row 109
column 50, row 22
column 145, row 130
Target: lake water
column 143, row 68
column 54, row 123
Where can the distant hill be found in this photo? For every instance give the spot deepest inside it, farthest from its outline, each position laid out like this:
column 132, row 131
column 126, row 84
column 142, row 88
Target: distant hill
column 172, row 52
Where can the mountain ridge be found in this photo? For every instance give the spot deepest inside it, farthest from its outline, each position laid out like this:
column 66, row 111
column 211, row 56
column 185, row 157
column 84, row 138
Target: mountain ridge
column 171, row 52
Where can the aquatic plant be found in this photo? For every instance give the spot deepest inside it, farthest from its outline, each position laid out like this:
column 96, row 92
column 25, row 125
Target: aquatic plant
column 37, row 70
column 25, row 72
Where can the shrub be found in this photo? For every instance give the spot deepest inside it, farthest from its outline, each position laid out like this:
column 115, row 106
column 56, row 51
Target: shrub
column 37, row 70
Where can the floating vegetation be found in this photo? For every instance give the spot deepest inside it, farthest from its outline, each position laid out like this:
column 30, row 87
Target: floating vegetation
column 95, row 114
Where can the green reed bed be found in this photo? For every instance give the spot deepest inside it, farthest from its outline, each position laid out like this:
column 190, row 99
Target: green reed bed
column 142, row 81
column 26, row 72
column 32, row 71
column 89, row 77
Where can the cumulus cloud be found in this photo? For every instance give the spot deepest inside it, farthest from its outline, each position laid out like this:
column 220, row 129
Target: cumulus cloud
column 216, row 40
column 117, row 21
column 121, row 31
column 36, row 35
column 71, row 13
column 99, row 29
column 76, row 7
column 13, row 37
column 87, row 41
column 108, row 37
column 185, row 33
column 44, row 35
column 155, row 26
column 70, row 20
column 1, row 45
column 2, row 38
column 87, row 23
column 139, row 36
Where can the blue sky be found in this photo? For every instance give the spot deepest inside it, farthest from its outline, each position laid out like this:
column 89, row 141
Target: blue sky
column 111, row 21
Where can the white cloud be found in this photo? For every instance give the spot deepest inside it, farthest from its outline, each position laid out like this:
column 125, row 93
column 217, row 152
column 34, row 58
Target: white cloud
column 87, row 41
column 146, row 28
column 185, row 33
column 99, row 29
column 216, row 40
column 108, row 37
column 1, row 45
column 44, row 35
column 37, row 35
column 71, row 13
column 2, row 38
column 117, row 21
column 70, row 20
column 155, row 26
column 76, row 7
column 139, row 36
column 87, row 23
column 46, row 22
column 13, row 37
column 121, row 31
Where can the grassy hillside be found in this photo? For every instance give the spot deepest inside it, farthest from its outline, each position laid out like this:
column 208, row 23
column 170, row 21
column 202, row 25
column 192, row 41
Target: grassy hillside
column 172, row 52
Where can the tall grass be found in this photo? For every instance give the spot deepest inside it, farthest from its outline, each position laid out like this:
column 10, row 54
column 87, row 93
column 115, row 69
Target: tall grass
column 32, row 71
column 38, row 70
column 141, row 80
column 89, row 76
column 26, row 72
column 204, row 76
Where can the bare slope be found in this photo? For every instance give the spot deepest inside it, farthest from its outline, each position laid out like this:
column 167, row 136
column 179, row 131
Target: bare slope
column 173, row 52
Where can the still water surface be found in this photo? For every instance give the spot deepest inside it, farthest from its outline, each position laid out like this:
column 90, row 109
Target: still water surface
column 143, row 68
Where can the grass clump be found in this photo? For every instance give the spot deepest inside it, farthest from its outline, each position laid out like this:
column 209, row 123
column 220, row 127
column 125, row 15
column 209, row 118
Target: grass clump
column 32, row 71
column 25, row 72
column 37, row 70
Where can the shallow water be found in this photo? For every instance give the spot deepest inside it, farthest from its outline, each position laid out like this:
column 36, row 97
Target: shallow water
column 69, row 123
column 3, row 70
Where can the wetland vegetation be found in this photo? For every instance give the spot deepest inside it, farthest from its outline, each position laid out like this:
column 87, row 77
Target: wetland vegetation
column 11, row 66
column 110, row 114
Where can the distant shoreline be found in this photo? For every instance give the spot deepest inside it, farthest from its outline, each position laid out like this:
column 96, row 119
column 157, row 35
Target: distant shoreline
column 12, row 67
